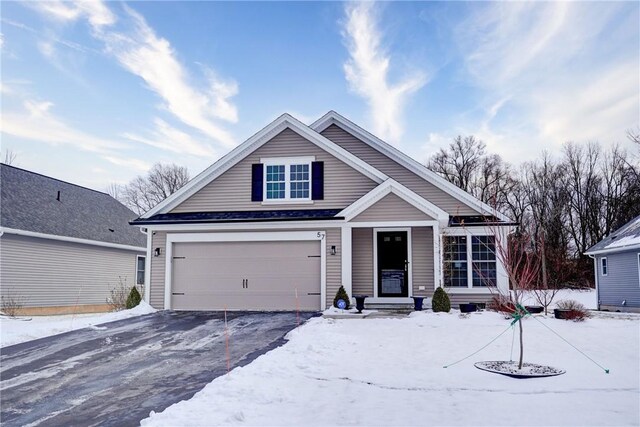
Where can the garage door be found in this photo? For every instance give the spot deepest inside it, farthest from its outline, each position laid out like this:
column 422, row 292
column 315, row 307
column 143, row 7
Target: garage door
column 246, row 275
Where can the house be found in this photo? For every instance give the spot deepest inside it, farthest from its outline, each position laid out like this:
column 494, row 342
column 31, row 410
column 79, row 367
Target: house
column 617, row 268
column 64, row 247
column 288, row 216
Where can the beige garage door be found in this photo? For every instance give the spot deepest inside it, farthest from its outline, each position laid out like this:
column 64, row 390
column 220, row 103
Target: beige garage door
column 246, row 275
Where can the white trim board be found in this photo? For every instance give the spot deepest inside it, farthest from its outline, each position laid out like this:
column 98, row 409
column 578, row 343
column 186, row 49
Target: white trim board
column 386, row 188
column 252, row 144
column 71, row 239
column 246, row 237
column 613, row 250
column 398, row 156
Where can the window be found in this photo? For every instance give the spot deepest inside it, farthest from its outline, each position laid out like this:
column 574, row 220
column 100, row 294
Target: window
column 140, row 267
column 455, row 261
column 287, row 179
column 483, row 255
column 469, row 261
column 604, row 267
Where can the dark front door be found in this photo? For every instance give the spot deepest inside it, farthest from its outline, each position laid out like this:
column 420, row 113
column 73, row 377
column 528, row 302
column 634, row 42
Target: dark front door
column 393, row 264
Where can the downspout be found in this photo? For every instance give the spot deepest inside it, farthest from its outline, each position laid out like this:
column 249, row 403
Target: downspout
column 595, row 272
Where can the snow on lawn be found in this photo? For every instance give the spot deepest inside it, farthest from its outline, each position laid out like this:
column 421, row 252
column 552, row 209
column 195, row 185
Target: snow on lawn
column 588, row 298
column 389, row 371
column 18, row 330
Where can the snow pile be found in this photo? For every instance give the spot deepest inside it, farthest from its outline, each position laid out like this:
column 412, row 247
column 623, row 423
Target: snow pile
column 18, row 330
column 389, row 371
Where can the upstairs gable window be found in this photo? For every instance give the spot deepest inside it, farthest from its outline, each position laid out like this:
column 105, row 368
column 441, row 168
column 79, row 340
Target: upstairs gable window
column 287, row 179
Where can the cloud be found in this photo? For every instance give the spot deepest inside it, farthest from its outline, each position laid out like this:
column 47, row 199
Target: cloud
column 564, row 69
column 96, row 12
column 367, row 72
column 171, row 139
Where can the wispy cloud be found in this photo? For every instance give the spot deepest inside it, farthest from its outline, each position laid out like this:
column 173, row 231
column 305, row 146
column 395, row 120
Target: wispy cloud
column 533, row 58
column 367, row 72
column 139, row 50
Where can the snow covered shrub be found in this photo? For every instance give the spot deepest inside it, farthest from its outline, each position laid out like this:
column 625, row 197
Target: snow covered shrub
column 575, row 311
column 502, row 304
column 440, row 301
column 134, row 298
column 341, row 294
column 117, row 299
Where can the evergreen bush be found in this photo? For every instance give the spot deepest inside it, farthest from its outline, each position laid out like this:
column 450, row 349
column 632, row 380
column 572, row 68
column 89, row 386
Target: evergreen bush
column 134, row 298
column 341, row 294
column 440, row 301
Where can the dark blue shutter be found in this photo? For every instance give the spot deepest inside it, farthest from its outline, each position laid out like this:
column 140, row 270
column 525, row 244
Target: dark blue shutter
column 317, row 180
column 256, row 182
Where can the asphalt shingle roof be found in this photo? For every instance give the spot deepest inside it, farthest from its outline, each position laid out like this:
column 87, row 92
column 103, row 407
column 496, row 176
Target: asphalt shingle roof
column 239, row 216
column 29, row 202
column 627, row 235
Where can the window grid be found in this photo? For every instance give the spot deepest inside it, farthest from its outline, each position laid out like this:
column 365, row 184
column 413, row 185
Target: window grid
column 455, row 261
column 605, row 266
column 483, row 256
column 276, row 183
column 299, row 181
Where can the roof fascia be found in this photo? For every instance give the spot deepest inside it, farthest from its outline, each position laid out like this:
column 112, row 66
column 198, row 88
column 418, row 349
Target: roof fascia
column 253, row 143
column 414, row 166
column 391, row 186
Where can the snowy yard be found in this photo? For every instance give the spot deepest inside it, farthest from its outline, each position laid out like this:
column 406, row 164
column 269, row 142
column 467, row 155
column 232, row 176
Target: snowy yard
column 27, row 328
column 389, row 371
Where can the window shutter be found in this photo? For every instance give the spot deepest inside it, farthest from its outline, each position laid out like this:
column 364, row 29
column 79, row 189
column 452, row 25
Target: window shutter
column 256, row 182
column 317, row 180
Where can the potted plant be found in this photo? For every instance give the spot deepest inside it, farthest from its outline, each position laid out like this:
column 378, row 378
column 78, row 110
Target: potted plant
column 417, row 303
column 468, row 307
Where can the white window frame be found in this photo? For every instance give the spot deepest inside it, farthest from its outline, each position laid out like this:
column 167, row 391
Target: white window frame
column 638, row 267
column 286, row 162
column 471, row 260
column 604, row 266
column 145, row 270
column 470, row 287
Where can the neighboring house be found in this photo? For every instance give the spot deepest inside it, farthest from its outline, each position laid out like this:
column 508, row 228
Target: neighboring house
column 617, row 268
column 64, row 247
column 295, row 211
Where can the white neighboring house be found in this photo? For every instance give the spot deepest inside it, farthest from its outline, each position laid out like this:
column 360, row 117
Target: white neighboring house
column 63, row 246
column 288, row 216
column 617, row 268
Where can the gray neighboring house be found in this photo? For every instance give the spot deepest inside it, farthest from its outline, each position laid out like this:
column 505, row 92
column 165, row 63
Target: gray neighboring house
column 296, row 211
column 63, row 246
column 617, row 268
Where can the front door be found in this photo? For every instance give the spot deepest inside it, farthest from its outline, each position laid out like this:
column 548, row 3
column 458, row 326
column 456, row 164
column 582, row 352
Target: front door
column 393, row 264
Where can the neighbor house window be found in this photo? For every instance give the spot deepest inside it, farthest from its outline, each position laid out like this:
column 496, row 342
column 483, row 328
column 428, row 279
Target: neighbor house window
column 604, row 267
column 469, row 261
column 483, row 255
column 140, row 267
column 455, row 261
column 287, row 179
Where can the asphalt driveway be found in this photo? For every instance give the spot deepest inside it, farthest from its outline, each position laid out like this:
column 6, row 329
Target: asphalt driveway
column 115, row 374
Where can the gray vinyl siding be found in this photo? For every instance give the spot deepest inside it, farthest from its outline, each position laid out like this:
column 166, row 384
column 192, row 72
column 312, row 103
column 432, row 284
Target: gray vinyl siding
column 457, row 299
column 52, row 273
column 422, row 260
column 398, row 172
column 392, row 208
column 362, row 261
column 622, row 282
column 232, row 190
column 158, row 265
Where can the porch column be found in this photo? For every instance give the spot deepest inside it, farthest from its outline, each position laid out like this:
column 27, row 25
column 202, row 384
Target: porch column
column 346, row 259
column 437, row 257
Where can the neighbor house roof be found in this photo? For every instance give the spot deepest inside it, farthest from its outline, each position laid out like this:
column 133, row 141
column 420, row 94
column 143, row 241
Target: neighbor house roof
column 41, row 205
column 625, row 238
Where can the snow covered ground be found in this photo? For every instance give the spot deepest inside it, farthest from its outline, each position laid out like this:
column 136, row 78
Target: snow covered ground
column 389, row 371
column 15, row 331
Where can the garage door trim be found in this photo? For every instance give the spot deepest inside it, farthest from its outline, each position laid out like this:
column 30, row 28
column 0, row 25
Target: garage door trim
column 246, row 237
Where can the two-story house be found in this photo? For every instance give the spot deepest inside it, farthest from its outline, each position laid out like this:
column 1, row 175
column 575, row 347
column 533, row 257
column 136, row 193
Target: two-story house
column 295, row 211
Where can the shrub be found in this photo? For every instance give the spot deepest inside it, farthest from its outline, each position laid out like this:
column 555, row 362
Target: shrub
column 440, row 301
column 11, row 305
column 575, row 311
column 502, row 304
column 117, row 299
column 134, row 298
column 341, row 294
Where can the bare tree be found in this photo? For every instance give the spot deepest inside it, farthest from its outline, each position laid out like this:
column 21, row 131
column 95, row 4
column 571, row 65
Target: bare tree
column 10, row 157
column 144, row 192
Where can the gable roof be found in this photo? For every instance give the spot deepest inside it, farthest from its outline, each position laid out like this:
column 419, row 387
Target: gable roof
column 333, row 118
column 391, row 186
column 30, row 203
column 253, row 143
column 625, row 238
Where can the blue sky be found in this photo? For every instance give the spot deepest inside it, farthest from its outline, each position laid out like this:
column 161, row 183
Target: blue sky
column 97, row 92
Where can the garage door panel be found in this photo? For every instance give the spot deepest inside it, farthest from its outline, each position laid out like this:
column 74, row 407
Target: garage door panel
column 246, row 275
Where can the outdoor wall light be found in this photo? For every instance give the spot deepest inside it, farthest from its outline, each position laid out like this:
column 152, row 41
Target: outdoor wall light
column 333, row 250
column 156, row 252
